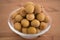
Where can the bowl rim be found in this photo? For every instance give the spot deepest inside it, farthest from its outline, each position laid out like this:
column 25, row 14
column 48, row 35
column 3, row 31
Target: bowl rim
column 19, row 33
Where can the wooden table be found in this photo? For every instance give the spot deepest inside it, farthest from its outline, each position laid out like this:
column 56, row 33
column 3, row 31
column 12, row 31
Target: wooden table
column 51, row 6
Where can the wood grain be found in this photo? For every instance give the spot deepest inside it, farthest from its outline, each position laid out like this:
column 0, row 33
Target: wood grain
column 51, row 6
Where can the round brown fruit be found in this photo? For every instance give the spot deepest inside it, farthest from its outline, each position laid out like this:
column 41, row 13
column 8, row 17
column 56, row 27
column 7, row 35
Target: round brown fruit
column 22, row 12
column 28, row 3
column 32, row 30
column 38, row 8
column 46, row 19
column 25, row 23
column 24, row 30
column 43, row 25
column 18, row 18
column 35, row 23
column 30, row 17
column 38, row 30
column 17, row 26
column 14, row 15
column 29, row 8
column 41, row 17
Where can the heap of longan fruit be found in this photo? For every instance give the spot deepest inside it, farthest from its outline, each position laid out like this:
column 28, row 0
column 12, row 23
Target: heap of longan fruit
column 30, row 19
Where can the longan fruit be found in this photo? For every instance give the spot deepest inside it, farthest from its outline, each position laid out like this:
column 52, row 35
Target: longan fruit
column 35, row 23
column 13, row 20
column 18, row 18
column 17, row 26
column 38, row 8
column 30, row 17
column 43, row 25
column 41, row 17
column 24, row 30
column 32, row 30
column 14, row 15
column 46, row 19
column 28, row 3
column 25, row 23
column 38, row 30
column 22, row 12
column 29, row 8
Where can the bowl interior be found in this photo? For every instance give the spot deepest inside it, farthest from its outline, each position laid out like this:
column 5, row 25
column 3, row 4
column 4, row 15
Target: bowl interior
column 16, row 31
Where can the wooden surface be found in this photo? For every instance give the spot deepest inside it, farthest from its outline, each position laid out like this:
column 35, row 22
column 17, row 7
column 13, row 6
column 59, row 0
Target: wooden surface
column 51, row 6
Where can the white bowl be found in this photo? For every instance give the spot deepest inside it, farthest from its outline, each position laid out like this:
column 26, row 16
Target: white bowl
column 27, row 36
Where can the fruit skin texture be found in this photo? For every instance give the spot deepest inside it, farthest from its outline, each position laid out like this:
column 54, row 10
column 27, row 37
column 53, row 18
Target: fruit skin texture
column 35, row 23
column 14, row 15
column 17, row 26
column 46, row 19
column 30, row 17
column 43, row 25
column 22, row 12
column 25, row 23
column 29, row 7
column 38, row 8
column 24, row 30
column 18, row 18
column 41, row 17
column 32, row 30
column 38, row 30
column 28, row 3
